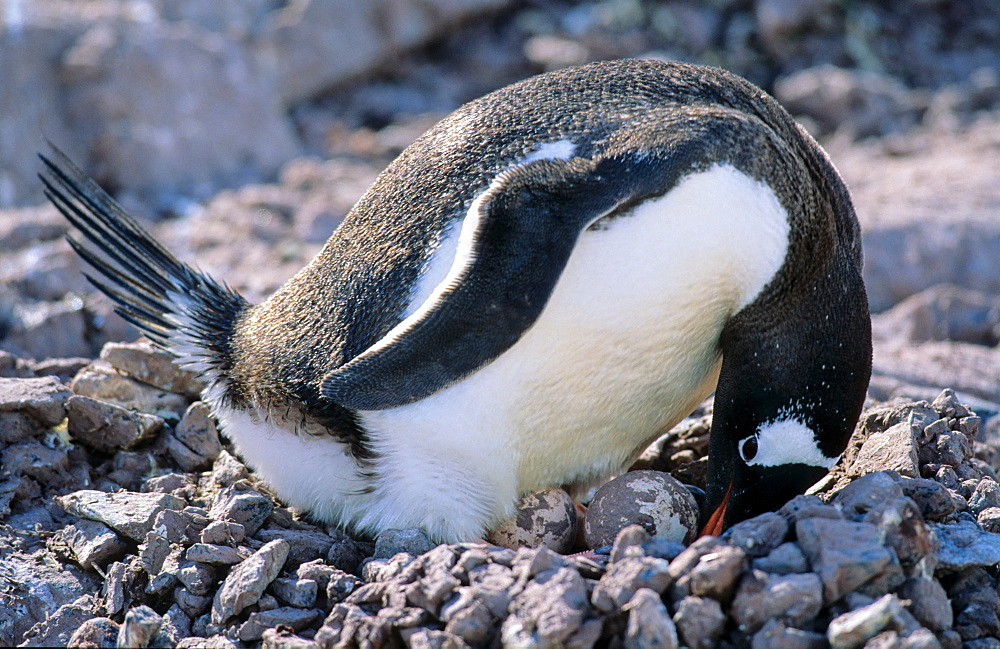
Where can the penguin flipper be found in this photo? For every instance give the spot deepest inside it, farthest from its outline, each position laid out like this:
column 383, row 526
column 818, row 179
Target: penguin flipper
column 516, row 240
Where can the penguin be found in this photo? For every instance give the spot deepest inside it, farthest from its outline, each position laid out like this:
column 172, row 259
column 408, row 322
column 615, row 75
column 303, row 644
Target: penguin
column 530, row 294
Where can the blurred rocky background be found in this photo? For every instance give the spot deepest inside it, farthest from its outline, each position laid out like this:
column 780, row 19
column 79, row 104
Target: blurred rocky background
column 242, row 132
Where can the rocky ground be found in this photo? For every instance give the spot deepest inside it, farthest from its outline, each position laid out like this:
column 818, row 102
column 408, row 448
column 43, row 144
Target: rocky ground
column 124, row 518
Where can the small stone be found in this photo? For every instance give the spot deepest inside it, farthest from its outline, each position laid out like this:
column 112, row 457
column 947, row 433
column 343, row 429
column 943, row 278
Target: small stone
column 49, row 466
column 928, row 602
column 340, row 586
column 176, row 624
column 986, row 495
column 130, row 513
column 317, row 571
column 281, row 638
column 854, row 628
column 785, row 559
column 623, row 578
column 894, row 449
column 546, row 517
column 42, row 398
column 18, row 427
column 95, row 633
column 287, row 616
column 989, row 519
column 777, row 635
column 864, row 493
column 153, row 552
column 223, row 533
column 853, row 560
column 494, row 586
column 655, row 500
column 794, row 599
column 947, row 404
column 107, row 427
column 227, row 470
column 716, row 574
column 199, row 578
column 808, row 506
column 468, row 618
column 246, row 581
column 101, row 382
column 629, row 543
column 193, row 605
column 300, row 593
column 140, row 626
column 685, row 562
column 434, row 639
column 759, row 535
column 224, row 555
column 412, row 540
column 649, row 624
column 198, row 433
column 700, row 622
column 931, row 497
column 144, row 362
column 965, row 545
column 304, row 544
column 168, row 483
column 93, row 544
column 242, row 504
column 549, row 611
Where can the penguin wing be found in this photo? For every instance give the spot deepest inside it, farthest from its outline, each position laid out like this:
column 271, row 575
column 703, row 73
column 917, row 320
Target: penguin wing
column 513, row 246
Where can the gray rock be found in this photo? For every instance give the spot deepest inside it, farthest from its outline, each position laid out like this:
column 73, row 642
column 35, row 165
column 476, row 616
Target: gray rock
column 655, row 500
column 49, row 466
column 989, row 519
column 854, row 559
column 623, row 578
column 43, row 398
column 549, row 611
column 931, row 496
column 759, row 535
column 107, row 427
column 854, row 628
column 928, row 602
column 785, row 559
column 223, row 533
column 18, row 427
column 140, row 626
column 964, row 546
column 629, row 543
column 716, row 574
column 98, row 632
column 904, row 530
column 176, row 624
column 493, row 585
column 246, row 581
column 199, row 435
column 199, row 578
column 805, row 507
column 986, row 495
column 56, row 629
column 129, row 513
column 777, row 635
column 892, row 449
column 223, row 555
column 293, row 618
column 144, row 362
column 101, row 382
column 304, row 544
column 193, row 605
column 866, row 492
column 285, row 639
column 300, row 593
column 468, row 618
column 794, row 599
column 241, row 503
column 700, row 622
column 429, row 592
column 649, row 624
column 92, row 543
column 228, row 470
column 413, row 541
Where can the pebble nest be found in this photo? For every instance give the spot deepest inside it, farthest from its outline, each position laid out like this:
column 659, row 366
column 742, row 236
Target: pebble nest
column 127, row 521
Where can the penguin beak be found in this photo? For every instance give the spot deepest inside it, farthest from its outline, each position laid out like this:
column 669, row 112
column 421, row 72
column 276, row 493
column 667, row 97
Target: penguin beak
column 713, row 526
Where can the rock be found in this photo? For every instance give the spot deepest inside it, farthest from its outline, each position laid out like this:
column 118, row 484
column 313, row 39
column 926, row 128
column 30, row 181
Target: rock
column 989, row 519
column 854, row 628
column 300, row 593
column 792, row 599
column 716, row 573
column 287, row 616
column 630, row 542
column 700, row 621
column 759, row 535
column 49, row 466
column 95, row 633
column 623, row 578
column 892, row 449
column 199, row 578
column 543, row 517
column 345, row 555
column 413, row 541
column 931, row 497
column 241, row 503
column 304, row 544
column 193, row 605
column 42, row 398
column 649, row 624
column 655, row 500
column 285, row 639
column 107, row 427
column 246, row 581
column 140, row 626
column 550, row 610
column 216, row 554
column 56, row 629
column 986, row 495
column 227, row 470
column 856, row 558
column 943, row 312
column 93, row 544
column 785, row 559
column 223, row 533
column 468, row 618
column 129, row 513
column 199, row 437
column 928, row 602
column 18, row 427
column 101, row 382
column 144, row 362
column 777, row 635
column 904, row 530
column 964, row 546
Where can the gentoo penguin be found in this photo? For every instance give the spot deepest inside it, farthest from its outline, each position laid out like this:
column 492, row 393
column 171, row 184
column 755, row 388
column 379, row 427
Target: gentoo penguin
column 537, row 288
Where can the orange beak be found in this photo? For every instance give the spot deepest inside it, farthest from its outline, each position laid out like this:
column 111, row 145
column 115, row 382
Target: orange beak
column 714, row 525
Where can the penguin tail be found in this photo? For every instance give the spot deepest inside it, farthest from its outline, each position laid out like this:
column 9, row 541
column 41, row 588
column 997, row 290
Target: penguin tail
column 184, row 312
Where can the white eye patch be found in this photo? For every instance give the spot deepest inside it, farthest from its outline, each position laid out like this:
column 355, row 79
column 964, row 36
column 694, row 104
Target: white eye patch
column 786, row 441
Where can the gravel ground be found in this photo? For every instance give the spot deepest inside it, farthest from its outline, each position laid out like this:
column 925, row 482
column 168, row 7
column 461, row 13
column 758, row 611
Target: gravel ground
column 125, row 519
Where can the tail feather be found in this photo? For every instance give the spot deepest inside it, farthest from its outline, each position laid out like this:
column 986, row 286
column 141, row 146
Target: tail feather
column 181, row 310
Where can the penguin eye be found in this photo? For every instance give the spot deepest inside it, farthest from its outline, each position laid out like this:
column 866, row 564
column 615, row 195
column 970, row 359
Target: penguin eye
column 748, row 448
